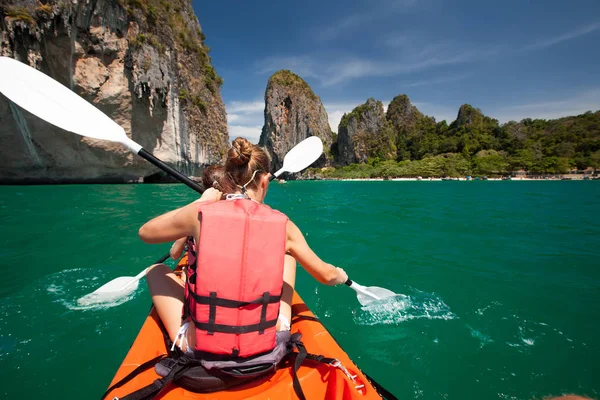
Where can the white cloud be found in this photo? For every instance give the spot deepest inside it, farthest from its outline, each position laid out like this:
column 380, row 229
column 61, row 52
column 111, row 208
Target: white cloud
column 408, row 55
column 252, row 133
column 440, row 112
column 551, row 41
column 335, row 115
column 305, row 66
column 348, row 23
column 375, row 11
column 248, row 117
column 437, row 81
column 246, row 106
column 576, row 104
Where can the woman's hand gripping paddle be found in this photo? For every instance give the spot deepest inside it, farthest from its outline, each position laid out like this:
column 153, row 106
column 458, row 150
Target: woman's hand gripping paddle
column 51, row 101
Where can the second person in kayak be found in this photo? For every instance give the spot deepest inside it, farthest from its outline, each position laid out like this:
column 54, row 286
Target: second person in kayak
column 231, row 299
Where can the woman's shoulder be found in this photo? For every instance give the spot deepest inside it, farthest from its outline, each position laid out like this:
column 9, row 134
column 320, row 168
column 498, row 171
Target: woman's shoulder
column 273, row 210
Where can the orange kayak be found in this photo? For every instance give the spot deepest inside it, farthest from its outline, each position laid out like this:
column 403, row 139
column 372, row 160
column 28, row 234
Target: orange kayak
column 318, row 380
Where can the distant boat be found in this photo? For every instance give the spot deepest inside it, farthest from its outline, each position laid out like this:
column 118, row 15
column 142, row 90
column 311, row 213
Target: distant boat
column 282, row 181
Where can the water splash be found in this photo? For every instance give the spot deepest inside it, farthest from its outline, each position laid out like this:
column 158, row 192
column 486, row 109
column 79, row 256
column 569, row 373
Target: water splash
column 76, row 297
column 396, row 310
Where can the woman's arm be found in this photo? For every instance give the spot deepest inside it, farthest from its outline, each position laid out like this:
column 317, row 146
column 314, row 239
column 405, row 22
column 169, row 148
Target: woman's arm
column 177, row 248
column 178, row 223
column 173, row 225
column 320, row 270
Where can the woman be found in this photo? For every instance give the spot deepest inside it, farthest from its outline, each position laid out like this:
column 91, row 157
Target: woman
column 215, row 176
column 247, row 167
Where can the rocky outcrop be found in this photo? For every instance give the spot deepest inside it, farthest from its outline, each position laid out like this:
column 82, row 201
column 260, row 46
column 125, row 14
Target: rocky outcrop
column 469, row 116
column 144, row 64
column 409, row 124
column 359, row 131
column 402, row 114
column 292, row 113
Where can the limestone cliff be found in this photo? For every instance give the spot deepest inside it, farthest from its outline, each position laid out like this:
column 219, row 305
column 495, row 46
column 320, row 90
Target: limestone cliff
column 469, row 116
column 402, row 114
column 360, row 131
column 292, row 113
column 409, row 124
column 142, row 62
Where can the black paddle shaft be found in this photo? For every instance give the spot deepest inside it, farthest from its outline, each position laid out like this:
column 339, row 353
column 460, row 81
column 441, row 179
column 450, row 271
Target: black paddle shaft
column 171, row 171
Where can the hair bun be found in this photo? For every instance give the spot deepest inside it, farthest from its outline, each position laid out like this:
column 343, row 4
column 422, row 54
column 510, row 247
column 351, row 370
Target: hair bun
column 240, row 152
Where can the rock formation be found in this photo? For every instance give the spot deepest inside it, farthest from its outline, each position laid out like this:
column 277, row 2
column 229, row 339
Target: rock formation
column 468, row 116
column 358, row 132
column 409, row 124
column 292, row 113
column 402, row 114
column 144, row 64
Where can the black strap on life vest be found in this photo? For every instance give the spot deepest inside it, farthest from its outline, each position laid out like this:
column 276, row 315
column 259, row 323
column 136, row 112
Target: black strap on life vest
column 213, row 302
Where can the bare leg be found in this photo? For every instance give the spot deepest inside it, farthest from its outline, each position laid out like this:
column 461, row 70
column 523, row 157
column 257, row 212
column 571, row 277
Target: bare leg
column 166, row 290
column 289, row 280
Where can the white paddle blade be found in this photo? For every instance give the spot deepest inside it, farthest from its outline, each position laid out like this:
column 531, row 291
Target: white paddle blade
column 376, row 294
column 111, row 291
column 368, row 294
column 51, row 101
column 302, row 155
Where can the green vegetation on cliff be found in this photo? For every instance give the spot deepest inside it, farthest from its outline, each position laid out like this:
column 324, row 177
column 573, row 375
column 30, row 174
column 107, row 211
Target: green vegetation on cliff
column 357, row 112
column 285, row 77
column 412, row 144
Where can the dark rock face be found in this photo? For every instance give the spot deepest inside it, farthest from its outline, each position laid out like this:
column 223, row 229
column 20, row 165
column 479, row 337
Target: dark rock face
column 358, row 130
column 153, row 78
column 409, row 124
column 402, row 114
column 292, row 113
column 468, row 116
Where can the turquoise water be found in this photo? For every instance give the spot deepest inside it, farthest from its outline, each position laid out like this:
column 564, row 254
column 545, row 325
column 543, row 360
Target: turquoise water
column 502, row 279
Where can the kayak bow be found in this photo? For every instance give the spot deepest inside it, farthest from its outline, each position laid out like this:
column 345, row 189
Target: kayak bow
column 318, row 380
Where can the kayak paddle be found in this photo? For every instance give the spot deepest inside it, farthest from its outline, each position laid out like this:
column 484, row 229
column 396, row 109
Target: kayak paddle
column 53, row 102
column 298, row 158
column 116, row 289
column 369, row 294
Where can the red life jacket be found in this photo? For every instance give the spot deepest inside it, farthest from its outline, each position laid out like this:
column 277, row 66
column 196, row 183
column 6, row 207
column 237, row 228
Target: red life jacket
column 234, row 288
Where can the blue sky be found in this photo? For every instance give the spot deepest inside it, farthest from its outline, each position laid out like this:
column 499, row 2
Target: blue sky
column 511, row 59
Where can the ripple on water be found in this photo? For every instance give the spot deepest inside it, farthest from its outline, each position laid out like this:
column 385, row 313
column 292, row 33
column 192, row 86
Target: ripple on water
column 396, row 310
